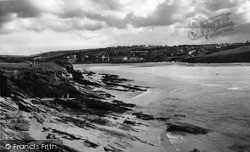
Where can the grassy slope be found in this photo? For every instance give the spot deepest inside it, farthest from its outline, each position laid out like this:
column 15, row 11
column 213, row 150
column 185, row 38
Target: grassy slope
column 239, row 50
column 240, row 54
column 42, row 67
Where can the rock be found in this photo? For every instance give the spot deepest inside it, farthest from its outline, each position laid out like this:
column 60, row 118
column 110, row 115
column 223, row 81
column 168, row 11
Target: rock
column 7, row 104
column 111, row 148
column 86, row 82
column 15, row 115
column 185, row 128
column 110, row 78
column 91, row 73
column 39, row 118
column 178, row 115
column 99, row 107
column 88, row 143
column 116, row 83
column 142, row 116
column 45, row 129
column 123, row 104
column 77, row 122
column 129, row 122
column 162, row 118
column 51, row 137
column 24, row 105
column 21, row 125
column 66, row 135
column 77, row 74
column 195, row 150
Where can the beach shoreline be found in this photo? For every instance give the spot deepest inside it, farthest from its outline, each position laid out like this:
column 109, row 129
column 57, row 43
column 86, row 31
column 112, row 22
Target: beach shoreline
column 181, row 88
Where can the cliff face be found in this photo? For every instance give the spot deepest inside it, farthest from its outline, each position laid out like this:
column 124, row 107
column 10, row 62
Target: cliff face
column 43, row 80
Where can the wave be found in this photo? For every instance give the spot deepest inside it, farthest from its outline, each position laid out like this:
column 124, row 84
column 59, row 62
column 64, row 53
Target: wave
column 238, row 88
column 213, row 85
column 228, row 87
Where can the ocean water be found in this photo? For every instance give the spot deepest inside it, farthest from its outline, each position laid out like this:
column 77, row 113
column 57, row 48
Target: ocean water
column 216, row 97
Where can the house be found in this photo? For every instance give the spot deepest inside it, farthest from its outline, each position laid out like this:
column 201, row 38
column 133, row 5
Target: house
column 135, row 59
column 125, row 58
column 71, row 59
column 191, row 52
column 180, row 51
column 105, row 57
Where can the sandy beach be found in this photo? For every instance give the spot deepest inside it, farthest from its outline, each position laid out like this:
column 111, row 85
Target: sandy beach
column 210, row 96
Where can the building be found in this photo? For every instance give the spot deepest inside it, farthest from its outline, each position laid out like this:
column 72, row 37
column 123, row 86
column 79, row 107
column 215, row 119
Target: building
column 135, row 59
column 125, row 58
column 71, row 59
column 105, row 58
column 191, row 52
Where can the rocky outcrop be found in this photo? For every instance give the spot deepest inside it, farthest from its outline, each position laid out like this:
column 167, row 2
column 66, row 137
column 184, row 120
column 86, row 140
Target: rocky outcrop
column 178, row 127
column 143, row 116
column 114, row 82
column 111, row 78
column 6, row 104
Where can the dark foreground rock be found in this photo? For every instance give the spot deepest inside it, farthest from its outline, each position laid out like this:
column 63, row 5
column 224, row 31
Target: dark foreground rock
column 116, row 83
column 43, row 80
column 123, row 104
column 185, row 128
column 195, row 150
column 110, row 78
column 143, row 116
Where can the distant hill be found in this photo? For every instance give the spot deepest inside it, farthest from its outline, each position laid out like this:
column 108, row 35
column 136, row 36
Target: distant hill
column 239, row 50
column 240, row 54
column 210, row 53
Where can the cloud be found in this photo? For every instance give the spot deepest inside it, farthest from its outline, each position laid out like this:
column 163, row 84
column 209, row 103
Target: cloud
column 112, row 13
column 215, row 5
column 17, row 8
column 23, row 8
column 110, row 22
column 110, row 4
column 51, row 22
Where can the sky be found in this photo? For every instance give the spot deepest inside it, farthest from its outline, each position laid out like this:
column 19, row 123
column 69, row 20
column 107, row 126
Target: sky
column 35, row 26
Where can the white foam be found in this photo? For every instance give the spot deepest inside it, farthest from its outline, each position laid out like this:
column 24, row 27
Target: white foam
column 212, row 85
column 176, row 140
column 237, row 88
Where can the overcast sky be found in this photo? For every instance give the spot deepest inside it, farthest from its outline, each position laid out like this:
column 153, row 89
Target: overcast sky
column 35, row 26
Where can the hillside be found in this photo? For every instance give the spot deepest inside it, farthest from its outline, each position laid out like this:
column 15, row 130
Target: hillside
column 240, row 54
column 244, row 49
column 209, row 53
